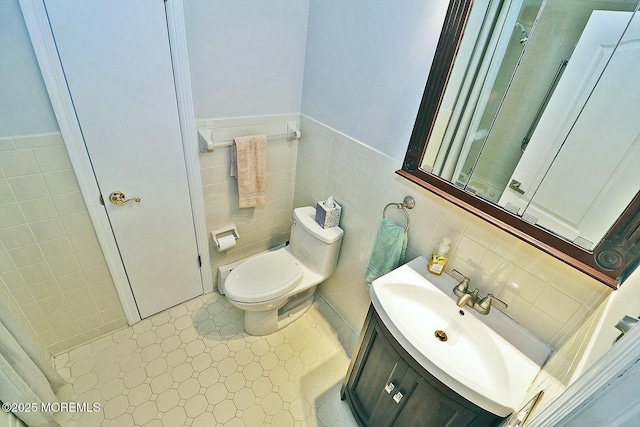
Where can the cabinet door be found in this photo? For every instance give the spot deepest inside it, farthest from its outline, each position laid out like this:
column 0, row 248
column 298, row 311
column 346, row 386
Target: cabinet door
column 382, row 370
column 386, row 387
column 424, row 405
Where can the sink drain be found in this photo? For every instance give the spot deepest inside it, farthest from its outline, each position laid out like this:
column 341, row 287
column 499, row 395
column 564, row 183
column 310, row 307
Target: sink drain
column 441, row 335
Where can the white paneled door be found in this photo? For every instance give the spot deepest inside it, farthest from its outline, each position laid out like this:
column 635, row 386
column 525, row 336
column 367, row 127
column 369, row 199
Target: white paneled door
column 117, row 62
column 577, row 170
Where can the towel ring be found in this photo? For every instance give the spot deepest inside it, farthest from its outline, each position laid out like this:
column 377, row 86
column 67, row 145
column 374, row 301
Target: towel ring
column 407, row 203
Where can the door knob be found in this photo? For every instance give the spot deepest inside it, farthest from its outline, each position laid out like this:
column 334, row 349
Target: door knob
column 118, row 198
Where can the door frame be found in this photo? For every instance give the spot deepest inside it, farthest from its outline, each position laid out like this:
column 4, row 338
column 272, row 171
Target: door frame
column 35, row 16
column 595, row 384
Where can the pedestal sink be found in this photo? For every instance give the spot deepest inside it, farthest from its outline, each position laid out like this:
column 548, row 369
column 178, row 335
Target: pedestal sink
column 489, row 360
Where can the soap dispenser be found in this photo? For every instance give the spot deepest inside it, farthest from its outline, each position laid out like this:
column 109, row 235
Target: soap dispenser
column 439, row 257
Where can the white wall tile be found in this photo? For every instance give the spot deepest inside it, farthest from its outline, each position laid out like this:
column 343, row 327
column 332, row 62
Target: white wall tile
column 36, row 273
column 83, row 241
column 496, row 267
column 38, row 209
column 65, row 265
column 28, row 187
column 18, row 163
column 52, row 304
column 15, row 237
column 71, row 282
column 77, row 223
column 471, row 252
column 262, row 227
column 48, row 239
column 90, row 257
column 6, row 194
column 12, row 278
column 569, row 281
column 56, row 248
column 12, row 306
column 541, row 324
column 61, row 182
column 35, row 141
column 32, row 311
column 478, row 231
column 96, row 274
column 40, row 324
column 543, row 294
column 541, row 266
column 324, row 162
column 22, row 296
column 522, row 284
column 69, row 203
column 6, row 144
column 26, row 256
column 5, row 262
column 518, row 307
column 44, row 289
column 47, row 229
column 52, row 158
column 556, row 304
column 10, row 215
column 60, row 317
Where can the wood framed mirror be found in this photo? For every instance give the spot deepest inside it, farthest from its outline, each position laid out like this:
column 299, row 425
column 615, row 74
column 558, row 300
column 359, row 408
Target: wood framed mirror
column 528, row 122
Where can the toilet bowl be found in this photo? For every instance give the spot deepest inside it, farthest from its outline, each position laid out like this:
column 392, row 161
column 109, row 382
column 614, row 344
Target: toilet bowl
column 277, row 287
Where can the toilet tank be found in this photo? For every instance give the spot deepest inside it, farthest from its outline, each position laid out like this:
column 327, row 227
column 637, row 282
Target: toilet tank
column 316, row 247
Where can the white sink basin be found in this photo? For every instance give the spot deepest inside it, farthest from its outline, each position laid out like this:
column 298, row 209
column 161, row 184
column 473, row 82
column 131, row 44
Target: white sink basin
column 489, row 360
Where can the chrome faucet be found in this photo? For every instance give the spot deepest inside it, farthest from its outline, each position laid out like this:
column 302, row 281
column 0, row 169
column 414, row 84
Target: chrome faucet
column 465, row 297
column 472, row 298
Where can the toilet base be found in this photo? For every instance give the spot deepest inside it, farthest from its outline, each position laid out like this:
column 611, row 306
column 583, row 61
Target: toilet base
column 266, row 322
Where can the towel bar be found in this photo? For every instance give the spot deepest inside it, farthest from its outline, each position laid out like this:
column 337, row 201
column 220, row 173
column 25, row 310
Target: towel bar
column 407, row 203
column 206, row 142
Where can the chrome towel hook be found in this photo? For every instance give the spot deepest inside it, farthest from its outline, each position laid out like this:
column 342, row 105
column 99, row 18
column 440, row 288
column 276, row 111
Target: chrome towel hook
column 407, row 203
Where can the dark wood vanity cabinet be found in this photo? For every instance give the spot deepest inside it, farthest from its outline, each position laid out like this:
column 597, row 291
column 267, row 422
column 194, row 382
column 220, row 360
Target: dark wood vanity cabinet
column 385, row 386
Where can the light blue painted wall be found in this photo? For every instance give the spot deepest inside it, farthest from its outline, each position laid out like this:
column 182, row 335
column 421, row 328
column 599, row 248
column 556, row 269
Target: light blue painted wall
column 24, row 104
column 355, row 66
column 246, row 57
column 366, row 67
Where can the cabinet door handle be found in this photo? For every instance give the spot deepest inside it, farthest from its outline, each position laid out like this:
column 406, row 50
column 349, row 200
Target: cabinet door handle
column 398, row 397
column 389, row 388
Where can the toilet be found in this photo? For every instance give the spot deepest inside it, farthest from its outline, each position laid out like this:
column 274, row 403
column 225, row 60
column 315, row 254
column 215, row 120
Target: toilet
column 277, row 287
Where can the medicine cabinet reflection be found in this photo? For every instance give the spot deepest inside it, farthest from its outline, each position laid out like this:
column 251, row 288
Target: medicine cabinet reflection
column 529, row 120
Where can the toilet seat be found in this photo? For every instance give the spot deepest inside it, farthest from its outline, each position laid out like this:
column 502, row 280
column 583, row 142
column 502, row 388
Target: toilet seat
column 262, row 278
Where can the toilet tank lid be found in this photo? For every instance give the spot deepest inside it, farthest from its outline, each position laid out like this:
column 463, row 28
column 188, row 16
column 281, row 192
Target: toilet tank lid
column 306, row 217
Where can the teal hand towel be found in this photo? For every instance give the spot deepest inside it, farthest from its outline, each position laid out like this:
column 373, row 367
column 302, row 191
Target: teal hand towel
column 388, row 250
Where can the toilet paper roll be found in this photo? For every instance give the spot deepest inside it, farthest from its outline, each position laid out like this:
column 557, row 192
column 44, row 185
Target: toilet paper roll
column 226, row 242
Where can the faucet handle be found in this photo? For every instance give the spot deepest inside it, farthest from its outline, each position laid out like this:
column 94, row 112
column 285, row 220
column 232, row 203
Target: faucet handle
column 460, row 275
column 498, row 300
column 485, row 303
column 463, row 286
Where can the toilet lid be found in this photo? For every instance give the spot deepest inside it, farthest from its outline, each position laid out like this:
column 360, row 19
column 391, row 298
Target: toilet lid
column 262, row 278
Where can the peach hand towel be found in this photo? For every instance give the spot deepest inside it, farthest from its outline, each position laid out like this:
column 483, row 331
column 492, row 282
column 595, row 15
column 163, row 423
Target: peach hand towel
column 249, row 165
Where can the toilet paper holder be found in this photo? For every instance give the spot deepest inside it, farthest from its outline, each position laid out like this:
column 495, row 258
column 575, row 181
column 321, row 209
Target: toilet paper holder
column 227, row 230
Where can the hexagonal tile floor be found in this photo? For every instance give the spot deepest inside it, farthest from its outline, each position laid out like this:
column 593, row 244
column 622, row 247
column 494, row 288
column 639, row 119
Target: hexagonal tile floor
column 193, row 365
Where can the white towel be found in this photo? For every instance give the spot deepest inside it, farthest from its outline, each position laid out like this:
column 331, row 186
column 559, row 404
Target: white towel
column 249, row 165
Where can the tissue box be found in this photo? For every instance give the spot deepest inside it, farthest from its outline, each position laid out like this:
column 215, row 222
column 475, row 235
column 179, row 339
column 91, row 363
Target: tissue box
column 327, row 217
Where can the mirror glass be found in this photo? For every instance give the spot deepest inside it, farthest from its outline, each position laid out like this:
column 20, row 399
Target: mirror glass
column 539, row 114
